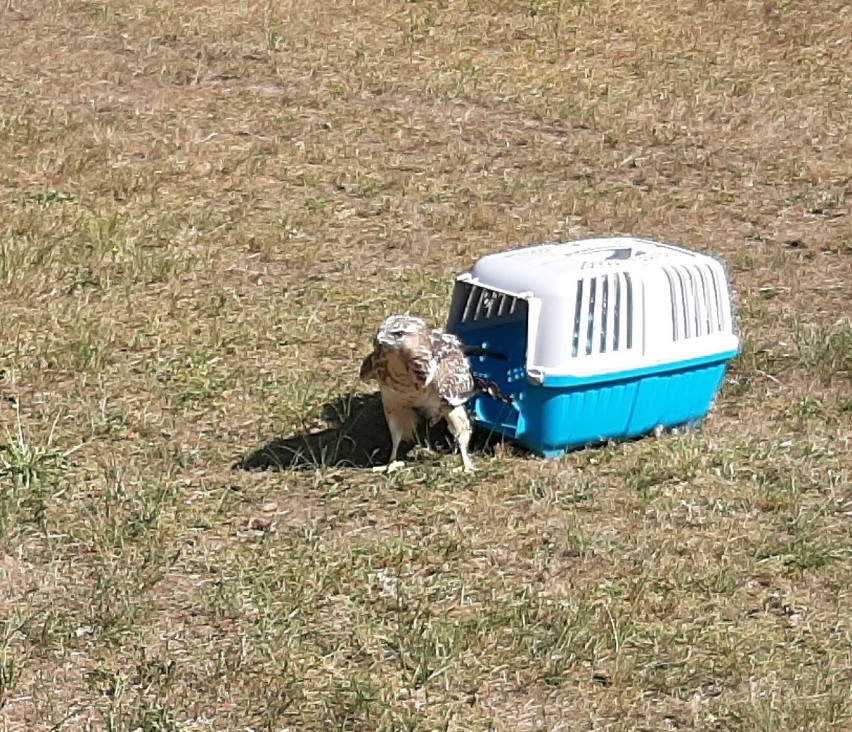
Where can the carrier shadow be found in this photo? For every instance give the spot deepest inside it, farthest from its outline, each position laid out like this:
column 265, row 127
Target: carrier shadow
column 357, row 437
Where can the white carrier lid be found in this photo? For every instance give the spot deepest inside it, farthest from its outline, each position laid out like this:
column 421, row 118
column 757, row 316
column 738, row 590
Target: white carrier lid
column 612, row 304
column 543, row 268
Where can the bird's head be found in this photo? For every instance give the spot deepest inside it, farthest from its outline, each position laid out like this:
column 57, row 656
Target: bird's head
column 398, row 330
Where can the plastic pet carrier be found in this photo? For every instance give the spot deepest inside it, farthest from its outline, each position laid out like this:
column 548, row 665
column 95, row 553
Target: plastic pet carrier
column 604, row 339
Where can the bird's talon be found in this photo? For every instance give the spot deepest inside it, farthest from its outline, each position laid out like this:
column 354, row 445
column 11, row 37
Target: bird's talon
column 390, row 467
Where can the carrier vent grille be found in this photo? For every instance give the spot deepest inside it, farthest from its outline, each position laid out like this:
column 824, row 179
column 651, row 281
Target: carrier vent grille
column 603, row 314
column 697, row 308
column 481, row 303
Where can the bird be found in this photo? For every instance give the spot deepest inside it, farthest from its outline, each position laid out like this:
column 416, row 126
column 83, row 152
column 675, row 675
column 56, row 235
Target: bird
column 425, row 370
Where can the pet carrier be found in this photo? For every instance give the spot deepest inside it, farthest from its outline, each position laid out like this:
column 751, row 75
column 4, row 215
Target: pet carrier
column 604, row 339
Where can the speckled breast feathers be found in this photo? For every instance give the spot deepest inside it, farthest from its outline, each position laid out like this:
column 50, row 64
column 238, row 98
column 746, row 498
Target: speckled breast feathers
column 421, row 366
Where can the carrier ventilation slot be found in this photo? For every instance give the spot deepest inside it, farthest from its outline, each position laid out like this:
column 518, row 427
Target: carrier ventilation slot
column 696, row 305
column 603, row 315
column 578, row 318
column 704, row 301
column 483, row 304
column 593, row 286
column 718, row 289
column 676, row 292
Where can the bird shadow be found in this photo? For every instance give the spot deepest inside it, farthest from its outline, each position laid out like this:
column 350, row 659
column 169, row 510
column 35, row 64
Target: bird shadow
column 357, row 436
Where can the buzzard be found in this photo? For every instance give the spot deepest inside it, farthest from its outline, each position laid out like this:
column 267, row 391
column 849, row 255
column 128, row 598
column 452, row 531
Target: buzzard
column 421, row 369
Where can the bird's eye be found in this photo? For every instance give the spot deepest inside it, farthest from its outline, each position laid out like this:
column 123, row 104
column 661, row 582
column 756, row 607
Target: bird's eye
column 397, row 333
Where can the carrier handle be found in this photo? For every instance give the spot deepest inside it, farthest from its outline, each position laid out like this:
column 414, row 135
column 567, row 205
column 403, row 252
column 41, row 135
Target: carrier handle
column 621, row 253
column 609, row 253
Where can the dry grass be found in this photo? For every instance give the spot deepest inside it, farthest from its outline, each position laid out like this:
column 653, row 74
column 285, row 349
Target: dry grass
column 205, row 210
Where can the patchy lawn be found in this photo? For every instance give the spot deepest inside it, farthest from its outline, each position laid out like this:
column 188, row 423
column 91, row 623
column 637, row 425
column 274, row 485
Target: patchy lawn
column 206, row 209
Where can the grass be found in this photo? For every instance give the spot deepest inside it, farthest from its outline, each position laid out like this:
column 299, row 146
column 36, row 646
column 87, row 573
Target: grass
column 205, row 211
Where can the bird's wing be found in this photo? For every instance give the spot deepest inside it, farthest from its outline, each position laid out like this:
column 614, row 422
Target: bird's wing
column 444, row 344
column 452, row 379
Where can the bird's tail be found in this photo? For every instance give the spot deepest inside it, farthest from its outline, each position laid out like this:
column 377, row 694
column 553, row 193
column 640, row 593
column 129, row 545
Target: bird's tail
column 489, row 388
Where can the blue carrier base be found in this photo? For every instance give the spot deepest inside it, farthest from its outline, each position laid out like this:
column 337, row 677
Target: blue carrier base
column 565, row 413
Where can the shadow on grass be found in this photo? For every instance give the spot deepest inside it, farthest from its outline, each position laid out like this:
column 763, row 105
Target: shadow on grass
column 357, row 437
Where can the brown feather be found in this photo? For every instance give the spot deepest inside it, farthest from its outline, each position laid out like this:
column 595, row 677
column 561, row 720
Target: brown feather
column 368, row 368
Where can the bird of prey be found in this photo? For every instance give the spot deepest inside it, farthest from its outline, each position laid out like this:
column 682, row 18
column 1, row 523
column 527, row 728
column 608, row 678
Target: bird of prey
column 420, row 369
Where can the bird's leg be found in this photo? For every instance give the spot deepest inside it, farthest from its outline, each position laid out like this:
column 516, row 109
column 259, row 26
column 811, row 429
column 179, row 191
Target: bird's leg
column 401, row 426
column 459, row 425
column 393, row 463
column 396, row 437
